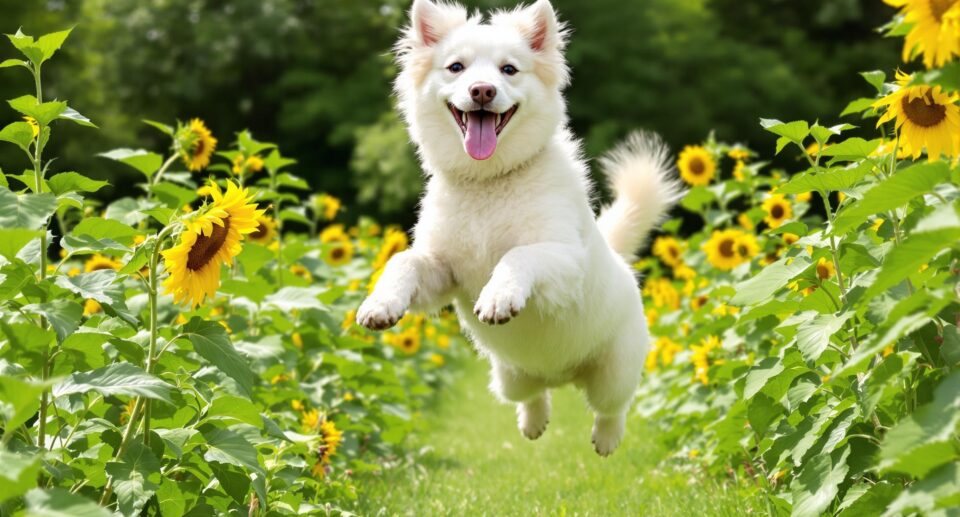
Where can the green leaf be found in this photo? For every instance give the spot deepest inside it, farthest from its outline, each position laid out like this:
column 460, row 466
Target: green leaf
column 274, row 161
column 172, row 195
column 12, row 240
column 51, row 43
column 906, row 258
column 771, row 279
column 923, row 441
column 863, row 499
column 101, row 286
column 44, row 113
column 144, row 161
column 950, row 350
column 818, row 483
column 57, row 502
column 27, row 46
column 211, row 341
column 852, row 149
column 167, row 130
column 86, row 245
column 296, row 298
column 830, row 180
column 893, row 192
column 875, row 78
column 813, row 336
column 63, row 315
column 233, row 409
column 795, row 131
column 19, row 134
column 858, row 106
column 29, row 211
column 285, row 179
column 7, row 63
column 163, row 215
column 230, row 447
column 73, row 182
column 938, row 490
column 100, row 228
column 116, row 379
column 697, row 199
column 27, row 336
column 74, row 116
column 758, row 376
column 171, row 499
column 19, row 400
column 136, row 477
column 19, row 474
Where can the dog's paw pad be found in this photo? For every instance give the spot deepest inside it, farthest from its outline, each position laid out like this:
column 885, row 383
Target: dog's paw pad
column 533, row 417
column 496, row 307
column 380, row 313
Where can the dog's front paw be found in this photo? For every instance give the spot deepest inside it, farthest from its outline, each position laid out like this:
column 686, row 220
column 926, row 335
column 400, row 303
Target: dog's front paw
column 497, row 304
column 380, row 312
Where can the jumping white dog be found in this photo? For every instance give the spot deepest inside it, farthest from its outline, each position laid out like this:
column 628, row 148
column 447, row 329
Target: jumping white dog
column 506, row 229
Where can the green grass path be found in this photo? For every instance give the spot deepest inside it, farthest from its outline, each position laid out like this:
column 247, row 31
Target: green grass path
column 478, row 464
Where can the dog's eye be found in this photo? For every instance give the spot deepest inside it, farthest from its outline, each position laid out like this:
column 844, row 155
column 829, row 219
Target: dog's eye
column 509, row 69
column 456, row 67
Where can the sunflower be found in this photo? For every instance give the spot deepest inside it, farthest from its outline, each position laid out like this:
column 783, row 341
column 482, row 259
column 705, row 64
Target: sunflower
column 934, row 32
column 408, row 340
column 394, row 241
column 247, row 164
column 778, row 210
column 34, row 125
column 333, row 233
column 338, row 253
column 925, row 117
column 739, row 154
column 696, row 165
column 738, row 169
column 790, row 238
column 663, row 294
column 745, row 221
column 825, row 269
column 436, row 359
column 196, row 144
column 877, row 223
column 701, row 358
column 332, row 437
column 668, row 250
column 326, row 205
column 91, row 307
column 805, row 197
column 727, row 249
column 210, row 238
column 301, row 271
column 98, row 262
column 266, row 230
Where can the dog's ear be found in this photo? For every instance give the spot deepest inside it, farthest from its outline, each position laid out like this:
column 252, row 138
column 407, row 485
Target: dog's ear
column 541, row 28
column 430, row 22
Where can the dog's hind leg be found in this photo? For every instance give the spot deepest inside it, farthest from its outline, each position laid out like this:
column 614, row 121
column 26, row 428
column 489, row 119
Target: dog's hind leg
column 611, row 383
column 530, row 395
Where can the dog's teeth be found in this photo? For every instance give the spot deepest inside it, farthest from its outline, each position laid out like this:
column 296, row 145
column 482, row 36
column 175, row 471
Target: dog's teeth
column 499, row 118
column 463, row 117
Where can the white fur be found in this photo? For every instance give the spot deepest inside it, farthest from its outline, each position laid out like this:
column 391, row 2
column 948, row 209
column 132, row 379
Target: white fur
column 542, row 290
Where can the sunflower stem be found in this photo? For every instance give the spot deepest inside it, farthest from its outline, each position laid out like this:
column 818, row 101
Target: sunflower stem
column 153, row 288
column 163, row 168
column 276, row 217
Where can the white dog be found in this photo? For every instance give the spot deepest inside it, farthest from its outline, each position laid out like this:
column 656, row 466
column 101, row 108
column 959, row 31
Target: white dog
column 506, row 229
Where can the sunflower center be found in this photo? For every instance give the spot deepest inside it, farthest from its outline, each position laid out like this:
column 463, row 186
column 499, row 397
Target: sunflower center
column 823, row 271
column 940, row 7
column 726, row 248
column 337, row 253
column 199, row 146
column 776, row 211
column 697, row 167
column 260, row 233
column 207, row 246
column 100, row 267
column 673, row 251
column 924, row 111
column 743, row 250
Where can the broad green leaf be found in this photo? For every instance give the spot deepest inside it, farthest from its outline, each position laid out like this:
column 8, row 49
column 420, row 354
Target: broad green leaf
column 234, row 409
column 296, row 298
column 86, row 245
column 163, row 215
column 818, row 483
column 858, row 106
column 851, row 149
column 950, row 350
column 763, row 411
column 255, row 288
column 27, row 336
column 19, row 400
column 893, row 192
column 7, row 63
column 830, row 180
column 211, row 341
column 875, row 78
column 100, row 228
column 27, row 46
column 19, row 474
column 44, row 112
column 58, row 502
column 923, row 440
column 697, row 199
column 171, row 499
column 166, row 129
column 73, row 182
column 12, row 240
column 813, row 336
column 101, row 286
column 771, row 279
column 758, row 376
column 144, row 161
column 285, row 179
column 938, row 490
column 863, row 499
column 29, row 211
column 253, row 257
column 62, row 314
column 74, row 116
column 19, row 134
column 51, row 43
column 129, row 211
column 274, row 161
column 116, row 379
column 795, row 131
column 906, row 258
column 250, row 145
column 230, row 447
column 172, row 195
column 136, row 477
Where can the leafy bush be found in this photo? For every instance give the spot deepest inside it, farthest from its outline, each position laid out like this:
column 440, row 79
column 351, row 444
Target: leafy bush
column 257, row 394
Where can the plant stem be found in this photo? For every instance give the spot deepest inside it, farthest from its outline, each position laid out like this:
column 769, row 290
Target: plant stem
column 163, row 168
column 124, row 443
column 276, row 218
column 153, row 288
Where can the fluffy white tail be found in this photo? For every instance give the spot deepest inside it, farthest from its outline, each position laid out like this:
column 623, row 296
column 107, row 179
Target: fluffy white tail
column 639, row 173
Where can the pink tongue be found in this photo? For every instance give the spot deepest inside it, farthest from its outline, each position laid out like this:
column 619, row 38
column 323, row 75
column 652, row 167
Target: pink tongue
column 481, row 139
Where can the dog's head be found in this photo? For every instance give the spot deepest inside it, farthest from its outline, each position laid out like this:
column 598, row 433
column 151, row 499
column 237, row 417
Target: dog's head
column 481, row 97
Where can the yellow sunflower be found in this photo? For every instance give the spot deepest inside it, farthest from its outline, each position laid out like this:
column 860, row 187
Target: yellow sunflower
column 302, row 272
column 196, row 145
column 790, row 238
column 332, row 437
column 394, row 241
column 778, row 210
column 727, row 249
column 98, row 262
column 326, row 205
column 925, row 117
column 209, row 239
column 934, row 32
column 34, row 125
column 738, row 169
column 668, row 250
column 266, row 230
column 408, row 340
column 247, row 164
column 696, row 165
column 333, row 233
column 91, row 307
column 825, row 269
column 338, row 253
column 805, row 197
column 739, row 154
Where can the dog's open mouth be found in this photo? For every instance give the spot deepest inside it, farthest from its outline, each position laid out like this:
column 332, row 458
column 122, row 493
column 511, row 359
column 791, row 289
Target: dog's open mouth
column 480, row 129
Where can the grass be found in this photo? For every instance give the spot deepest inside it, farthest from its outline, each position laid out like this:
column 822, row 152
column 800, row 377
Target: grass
column 477, row 463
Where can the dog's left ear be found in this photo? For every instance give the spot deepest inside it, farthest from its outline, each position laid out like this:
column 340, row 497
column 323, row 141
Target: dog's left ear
column 541, row 28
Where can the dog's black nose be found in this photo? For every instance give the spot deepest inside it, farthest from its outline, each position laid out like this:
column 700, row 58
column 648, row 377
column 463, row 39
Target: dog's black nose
column 482, row 93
